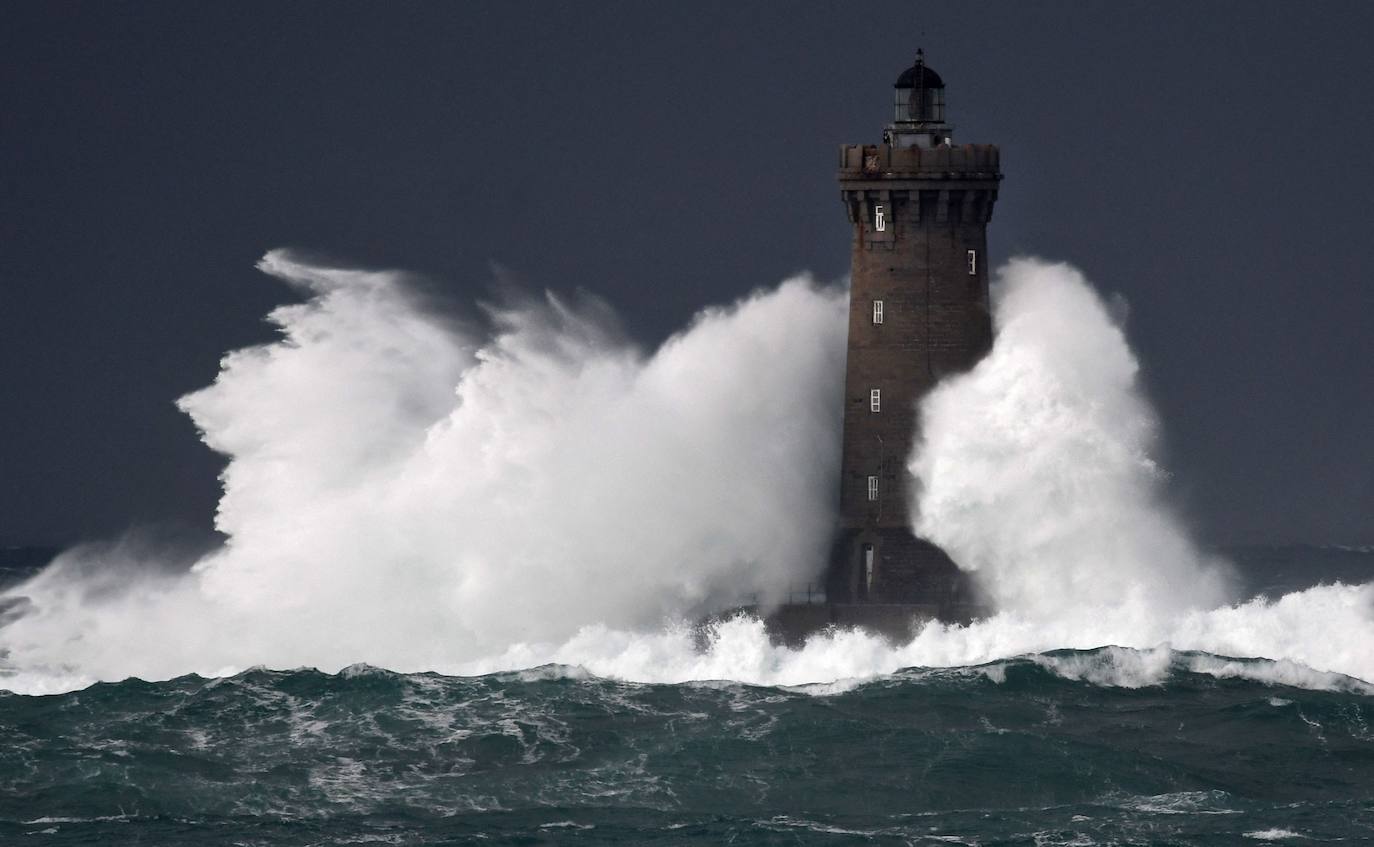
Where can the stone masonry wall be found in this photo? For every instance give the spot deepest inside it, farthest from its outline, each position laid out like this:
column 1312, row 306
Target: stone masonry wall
column 936, row 205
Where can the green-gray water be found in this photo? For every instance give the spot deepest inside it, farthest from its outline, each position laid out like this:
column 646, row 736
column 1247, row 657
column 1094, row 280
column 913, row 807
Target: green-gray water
column 1010, row 753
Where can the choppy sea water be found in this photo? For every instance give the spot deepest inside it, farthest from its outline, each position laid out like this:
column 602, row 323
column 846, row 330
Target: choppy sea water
column 1015, row 752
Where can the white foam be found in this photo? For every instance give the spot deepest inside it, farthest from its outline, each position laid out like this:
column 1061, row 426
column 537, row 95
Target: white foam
column 411, row 493
column 1273, row 834
column 408, row 493
column 1036, row 469
column 1113, row 666
column 1182, row 803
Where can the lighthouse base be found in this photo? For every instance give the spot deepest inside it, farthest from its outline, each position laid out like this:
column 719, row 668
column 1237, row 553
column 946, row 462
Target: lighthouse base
column 792, row 624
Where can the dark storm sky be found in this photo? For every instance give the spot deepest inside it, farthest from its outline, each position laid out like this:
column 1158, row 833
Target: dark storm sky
column 1210, row 162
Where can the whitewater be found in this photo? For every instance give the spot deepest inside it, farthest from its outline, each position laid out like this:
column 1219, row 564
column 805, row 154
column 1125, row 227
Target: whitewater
column 525, row 486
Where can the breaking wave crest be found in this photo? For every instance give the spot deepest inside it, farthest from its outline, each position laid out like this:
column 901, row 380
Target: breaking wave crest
column 419, row 493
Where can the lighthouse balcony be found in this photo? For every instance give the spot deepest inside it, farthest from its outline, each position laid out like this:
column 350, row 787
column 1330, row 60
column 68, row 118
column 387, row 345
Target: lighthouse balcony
column 883, row 161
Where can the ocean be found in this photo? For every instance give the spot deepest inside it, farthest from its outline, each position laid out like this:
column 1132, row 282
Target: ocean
column 1012, row 752
column 1074, row 747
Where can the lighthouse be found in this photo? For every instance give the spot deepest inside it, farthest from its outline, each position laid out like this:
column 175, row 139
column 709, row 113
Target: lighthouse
column 918, row 207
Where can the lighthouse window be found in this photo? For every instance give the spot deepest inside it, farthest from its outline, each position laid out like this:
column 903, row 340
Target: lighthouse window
column 972, row 262
column 868, row 568
column 873, row 488
column 879, row 218
column 877, row 311
column 875, row 400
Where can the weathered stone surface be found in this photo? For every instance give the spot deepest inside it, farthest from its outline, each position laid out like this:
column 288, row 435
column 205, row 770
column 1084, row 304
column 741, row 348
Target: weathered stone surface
column 935, row 205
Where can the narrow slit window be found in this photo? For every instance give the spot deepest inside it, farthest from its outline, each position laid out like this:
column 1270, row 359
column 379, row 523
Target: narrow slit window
column 873, row 488
column 972, row 262
column 868, row 568
column 879, row 218
column 875, row 400
column 877, row 311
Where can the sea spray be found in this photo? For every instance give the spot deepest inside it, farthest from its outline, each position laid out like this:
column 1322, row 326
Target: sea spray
column 1036, row 470
column 414, row 493
column 404, row 490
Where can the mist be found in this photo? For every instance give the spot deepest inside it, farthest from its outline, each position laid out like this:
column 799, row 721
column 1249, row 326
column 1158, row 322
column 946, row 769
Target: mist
column 528, row 487
column 406, row 491
column 1036, row 470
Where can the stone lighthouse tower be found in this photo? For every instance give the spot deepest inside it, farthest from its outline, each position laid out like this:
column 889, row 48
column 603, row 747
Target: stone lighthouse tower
column 919, row 207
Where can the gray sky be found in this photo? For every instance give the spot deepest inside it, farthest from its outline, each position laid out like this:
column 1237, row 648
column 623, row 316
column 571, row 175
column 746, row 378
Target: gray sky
column 1206, row 161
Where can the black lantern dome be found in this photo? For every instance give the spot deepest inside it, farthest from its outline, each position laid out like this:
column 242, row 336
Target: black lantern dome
column 918, row 108
column 919, row 75
column 919, row 94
